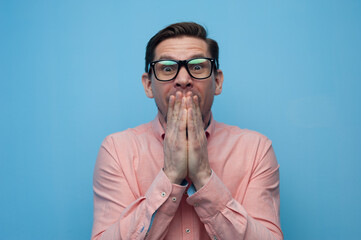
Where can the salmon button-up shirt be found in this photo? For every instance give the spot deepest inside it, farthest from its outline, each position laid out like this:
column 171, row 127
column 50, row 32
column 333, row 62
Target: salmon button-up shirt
column 239, row 201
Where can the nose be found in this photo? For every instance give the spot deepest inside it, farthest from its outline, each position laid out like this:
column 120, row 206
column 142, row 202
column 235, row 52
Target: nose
column 183, row 79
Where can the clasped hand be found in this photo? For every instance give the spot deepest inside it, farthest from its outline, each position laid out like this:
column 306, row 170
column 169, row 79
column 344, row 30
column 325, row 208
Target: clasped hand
column 185, row 143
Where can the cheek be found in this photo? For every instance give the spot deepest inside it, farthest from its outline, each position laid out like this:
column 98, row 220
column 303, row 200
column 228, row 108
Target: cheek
column 207, row 97
column 208, row 91
column 161, row 95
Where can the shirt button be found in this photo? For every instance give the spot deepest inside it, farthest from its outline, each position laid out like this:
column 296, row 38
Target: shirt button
column 215, row 238
column 196, row 204
column 174, row 199
column 188, row 230
column 163, row 194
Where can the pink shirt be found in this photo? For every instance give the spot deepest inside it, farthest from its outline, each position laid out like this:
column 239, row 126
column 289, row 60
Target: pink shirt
column 240, row 200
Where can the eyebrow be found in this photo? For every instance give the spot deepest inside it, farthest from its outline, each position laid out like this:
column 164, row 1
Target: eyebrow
column 168, row 57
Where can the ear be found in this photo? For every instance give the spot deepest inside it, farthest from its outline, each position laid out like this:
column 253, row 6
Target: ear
column 147, row 85
column 218, row 82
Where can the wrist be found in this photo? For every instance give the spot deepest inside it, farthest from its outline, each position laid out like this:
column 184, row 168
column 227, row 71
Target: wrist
column 173, row 178
column 201, row 179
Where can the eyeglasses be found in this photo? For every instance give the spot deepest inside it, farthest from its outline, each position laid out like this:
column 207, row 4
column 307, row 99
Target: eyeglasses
column 198, row 68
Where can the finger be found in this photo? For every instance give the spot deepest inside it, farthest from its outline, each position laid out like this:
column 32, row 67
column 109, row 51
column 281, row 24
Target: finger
column 197, row 117
column 193, row 117
column 182, row 120
column 187, row 102
column 182, row 123
column 177, row 105
column 183, row 104
column 178, row 121
column 197, row 112
column 190, row 125
column 170, row 108
column 189, row 99
column 189, row 106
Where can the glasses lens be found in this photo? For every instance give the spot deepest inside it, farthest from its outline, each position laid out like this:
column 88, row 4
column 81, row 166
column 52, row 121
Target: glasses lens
column 165, row 70
column 200, row 67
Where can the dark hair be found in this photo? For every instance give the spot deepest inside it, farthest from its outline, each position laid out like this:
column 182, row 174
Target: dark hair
column 190, row 29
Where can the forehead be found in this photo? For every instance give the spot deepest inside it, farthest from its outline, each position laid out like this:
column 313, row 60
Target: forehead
column 181, row 48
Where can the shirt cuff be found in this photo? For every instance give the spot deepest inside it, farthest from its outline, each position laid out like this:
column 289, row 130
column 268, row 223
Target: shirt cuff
column 172, row 200
column 159, row 191
column 170, row 205
column 211, row 198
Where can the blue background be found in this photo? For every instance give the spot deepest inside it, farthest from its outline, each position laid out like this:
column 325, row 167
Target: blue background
column 71, row 74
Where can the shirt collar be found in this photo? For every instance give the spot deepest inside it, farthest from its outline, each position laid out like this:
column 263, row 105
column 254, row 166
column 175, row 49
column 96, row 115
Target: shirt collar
column 160, row 133
column 211, row 126
column 157, row 128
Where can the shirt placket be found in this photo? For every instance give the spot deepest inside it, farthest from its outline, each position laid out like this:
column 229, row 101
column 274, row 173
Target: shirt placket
column 187, row 221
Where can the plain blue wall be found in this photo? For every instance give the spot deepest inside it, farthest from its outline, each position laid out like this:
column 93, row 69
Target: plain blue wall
column 70, row 75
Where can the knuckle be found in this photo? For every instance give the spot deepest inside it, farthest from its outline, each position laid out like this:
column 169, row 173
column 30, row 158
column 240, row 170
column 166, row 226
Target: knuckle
column 177, row 148
column 182, row 127
column 196, row 146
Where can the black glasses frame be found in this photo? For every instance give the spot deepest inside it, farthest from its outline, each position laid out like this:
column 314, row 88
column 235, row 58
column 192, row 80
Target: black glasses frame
column 180, row 64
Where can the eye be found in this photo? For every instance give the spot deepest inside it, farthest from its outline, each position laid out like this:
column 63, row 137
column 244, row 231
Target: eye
column 167, row 69
column 197, row 64
column 166, row 66
column 197, row 67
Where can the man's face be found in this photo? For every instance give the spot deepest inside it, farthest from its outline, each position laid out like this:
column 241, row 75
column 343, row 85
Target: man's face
column 183, row 48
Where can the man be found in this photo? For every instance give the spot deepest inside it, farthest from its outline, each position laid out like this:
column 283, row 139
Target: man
column 184, row 175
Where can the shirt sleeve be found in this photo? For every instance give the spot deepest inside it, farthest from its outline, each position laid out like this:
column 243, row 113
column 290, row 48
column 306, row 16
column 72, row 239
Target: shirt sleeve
column 257, row 217
column 118, row 212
